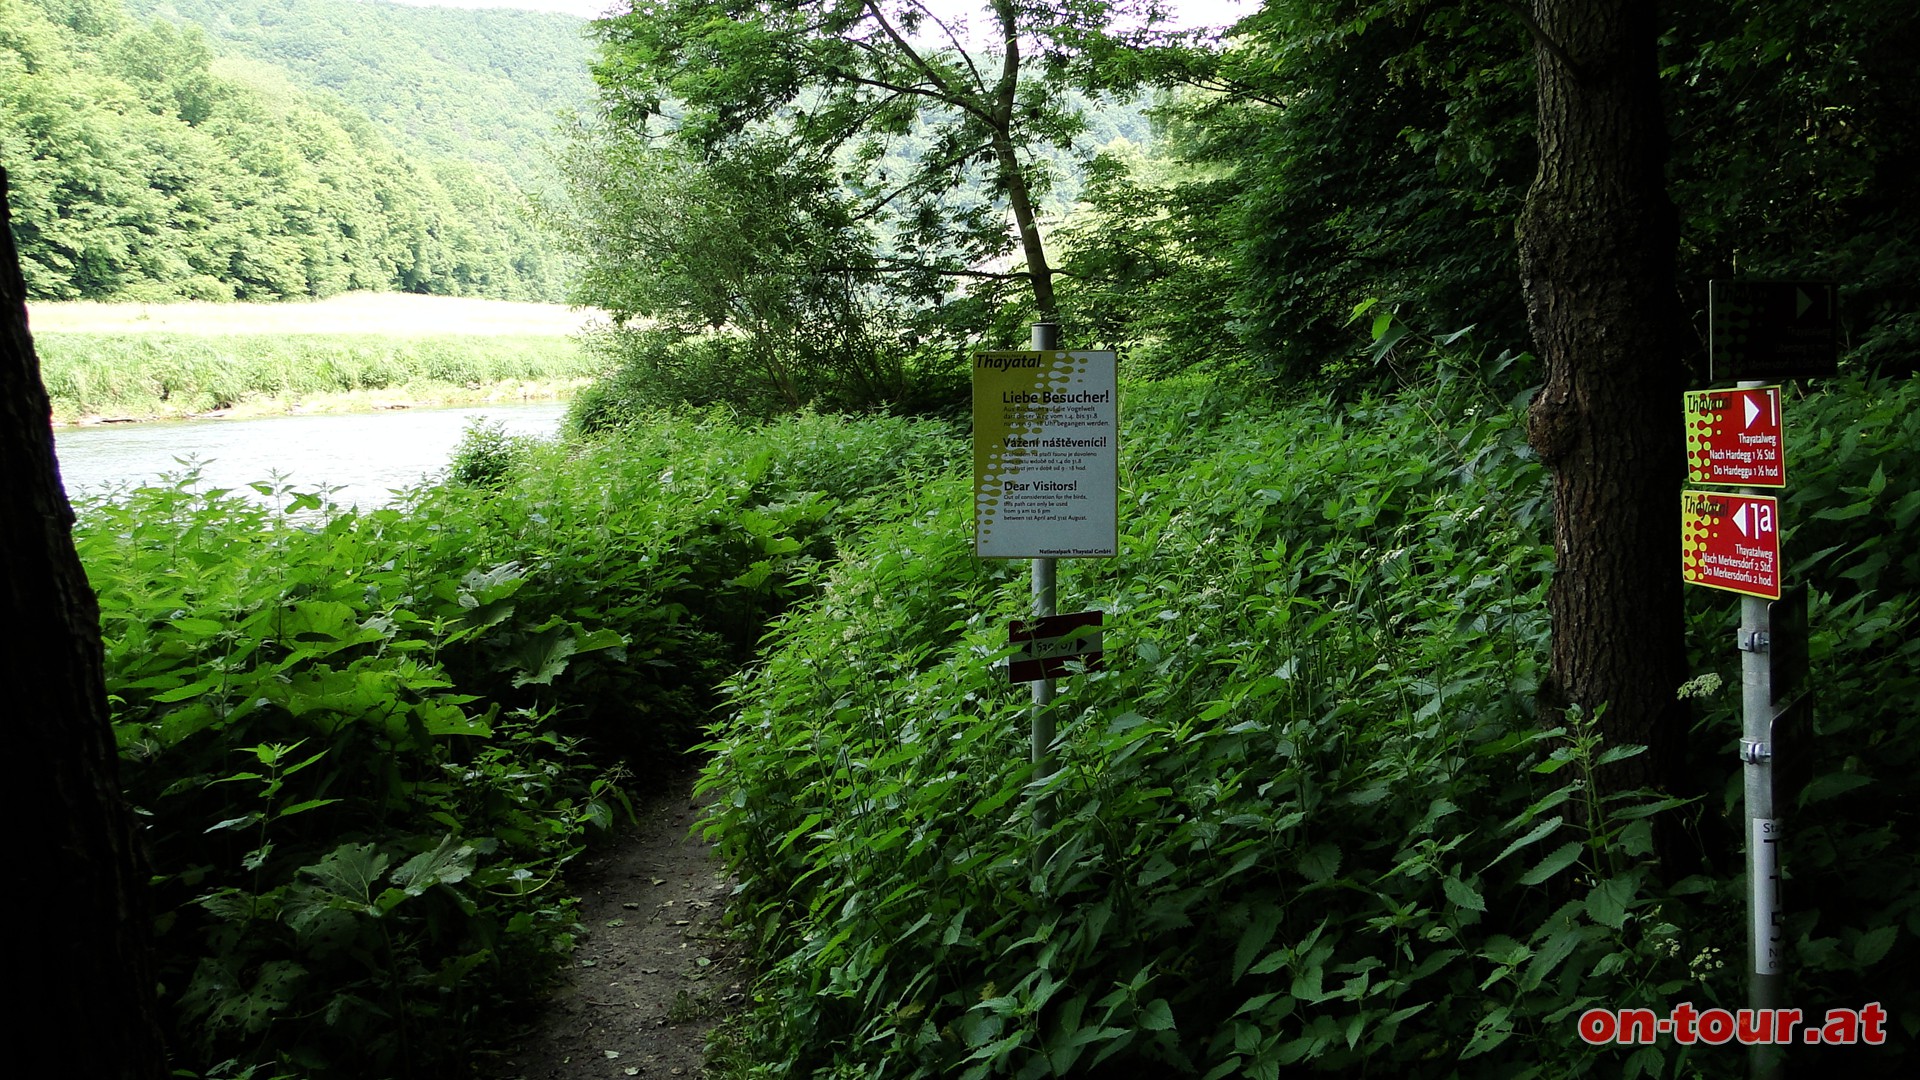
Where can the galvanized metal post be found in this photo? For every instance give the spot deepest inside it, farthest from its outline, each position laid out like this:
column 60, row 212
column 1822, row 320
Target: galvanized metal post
column 1763, row 828
column 1046, row 336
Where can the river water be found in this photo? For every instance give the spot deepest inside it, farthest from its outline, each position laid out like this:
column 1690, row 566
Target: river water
column 365, row 455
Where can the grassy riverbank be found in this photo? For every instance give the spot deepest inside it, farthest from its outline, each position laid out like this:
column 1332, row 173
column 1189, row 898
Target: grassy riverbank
column 354, row 353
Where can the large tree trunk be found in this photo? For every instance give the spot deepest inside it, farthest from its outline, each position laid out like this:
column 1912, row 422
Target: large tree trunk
column 88, row 983
column 1597, row 249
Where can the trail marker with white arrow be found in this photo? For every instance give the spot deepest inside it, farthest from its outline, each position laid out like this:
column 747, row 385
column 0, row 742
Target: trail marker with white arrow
column 1735, row 437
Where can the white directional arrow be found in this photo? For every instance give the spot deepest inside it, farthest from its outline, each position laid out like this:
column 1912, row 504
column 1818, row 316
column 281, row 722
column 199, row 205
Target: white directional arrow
column 1801, row 302
column 1752, row 409
column 1740, row 520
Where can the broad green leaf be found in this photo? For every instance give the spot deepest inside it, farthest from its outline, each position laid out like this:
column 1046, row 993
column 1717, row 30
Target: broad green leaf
column 192, row 689
column 1561, row 858
column 442, row 719
column 595, row 640
column 1384, row 341
column 241, row 822
column 1319, row 863
column 1873, row 945
column 1260, row 930
column 1492, row 1030
column 1618, row 753
column 1460, row 894
column 1157, row 869
column 1845, row 513
column 349, row 872
column 447, row 864
column 1230, row 1067
column 1533, row 834
column 1827, row 785
column 543, row 657
column 1646, row 809
column 1550, row 955
column 303, row 807
column 1608, row 901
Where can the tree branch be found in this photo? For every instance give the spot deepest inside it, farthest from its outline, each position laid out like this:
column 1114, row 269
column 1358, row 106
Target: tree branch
column 923, row 268
column 1541, row 37
column 912, row 55
column 965, row 57
column 922, row 182
column 963, row 104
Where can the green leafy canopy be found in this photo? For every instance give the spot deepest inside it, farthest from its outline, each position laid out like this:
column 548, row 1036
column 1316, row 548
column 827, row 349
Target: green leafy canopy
column 830, row 180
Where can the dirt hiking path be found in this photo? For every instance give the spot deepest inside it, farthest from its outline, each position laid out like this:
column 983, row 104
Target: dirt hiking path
column 653, row 972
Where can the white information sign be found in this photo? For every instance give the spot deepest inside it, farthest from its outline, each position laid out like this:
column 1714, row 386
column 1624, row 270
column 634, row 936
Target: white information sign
column 1046, row 474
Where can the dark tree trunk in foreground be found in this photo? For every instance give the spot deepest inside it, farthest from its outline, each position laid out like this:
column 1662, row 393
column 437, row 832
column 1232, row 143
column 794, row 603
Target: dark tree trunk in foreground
column 1598, row 243
column 88, row 983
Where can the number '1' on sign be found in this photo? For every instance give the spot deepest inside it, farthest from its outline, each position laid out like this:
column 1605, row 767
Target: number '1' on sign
column 1734, row 437
column 1731, row 542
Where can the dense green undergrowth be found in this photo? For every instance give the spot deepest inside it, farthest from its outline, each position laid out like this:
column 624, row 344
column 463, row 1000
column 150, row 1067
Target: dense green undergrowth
column 1307, row 817
column 365, row 745
column 143, row 374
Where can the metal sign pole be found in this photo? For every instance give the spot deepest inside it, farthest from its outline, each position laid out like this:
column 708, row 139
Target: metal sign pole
column 1770, row 330
column 1046, row 336
column 1763, row 828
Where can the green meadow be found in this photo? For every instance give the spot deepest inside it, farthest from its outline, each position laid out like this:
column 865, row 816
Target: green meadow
column 362, row 351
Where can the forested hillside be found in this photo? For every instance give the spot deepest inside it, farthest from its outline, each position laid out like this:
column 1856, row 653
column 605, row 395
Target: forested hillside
column 148, row 164
column 480, row 86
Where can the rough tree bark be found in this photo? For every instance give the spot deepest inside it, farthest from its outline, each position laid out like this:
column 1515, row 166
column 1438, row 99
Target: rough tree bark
column 88, row 986
column 1598, row 239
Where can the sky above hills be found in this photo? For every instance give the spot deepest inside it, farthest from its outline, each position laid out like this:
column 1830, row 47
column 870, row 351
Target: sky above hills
column 1187, row 13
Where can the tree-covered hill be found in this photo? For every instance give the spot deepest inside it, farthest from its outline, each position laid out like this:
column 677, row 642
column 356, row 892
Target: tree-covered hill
column 482, row 86
column 149, row 165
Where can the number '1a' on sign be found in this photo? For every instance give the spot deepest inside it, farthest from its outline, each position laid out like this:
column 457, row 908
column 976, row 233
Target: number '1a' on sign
column 1730, row 542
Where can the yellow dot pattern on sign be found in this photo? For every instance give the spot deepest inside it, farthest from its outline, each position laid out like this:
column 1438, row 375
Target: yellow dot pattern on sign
column 1696, row 525
column 1704, row 421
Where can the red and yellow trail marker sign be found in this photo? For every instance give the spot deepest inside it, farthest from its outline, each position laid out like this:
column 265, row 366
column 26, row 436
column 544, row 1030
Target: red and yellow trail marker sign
column 1734, row 437
column 1731, row 542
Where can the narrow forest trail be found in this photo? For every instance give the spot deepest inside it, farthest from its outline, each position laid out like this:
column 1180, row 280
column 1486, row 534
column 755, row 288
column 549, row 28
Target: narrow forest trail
column 653, row 972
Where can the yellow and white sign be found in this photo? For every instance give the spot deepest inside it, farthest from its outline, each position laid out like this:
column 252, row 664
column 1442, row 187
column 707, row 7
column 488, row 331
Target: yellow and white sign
column 1046, row 474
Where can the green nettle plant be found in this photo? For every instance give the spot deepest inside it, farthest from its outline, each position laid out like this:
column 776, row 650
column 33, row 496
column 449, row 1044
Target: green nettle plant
column 366, row 745
column 1307, row 817
column 486, row 456
column 345, row 873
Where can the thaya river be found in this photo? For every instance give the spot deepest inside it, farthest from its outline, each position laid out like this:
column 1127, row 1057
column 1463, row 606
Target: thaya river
column 364, row 456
